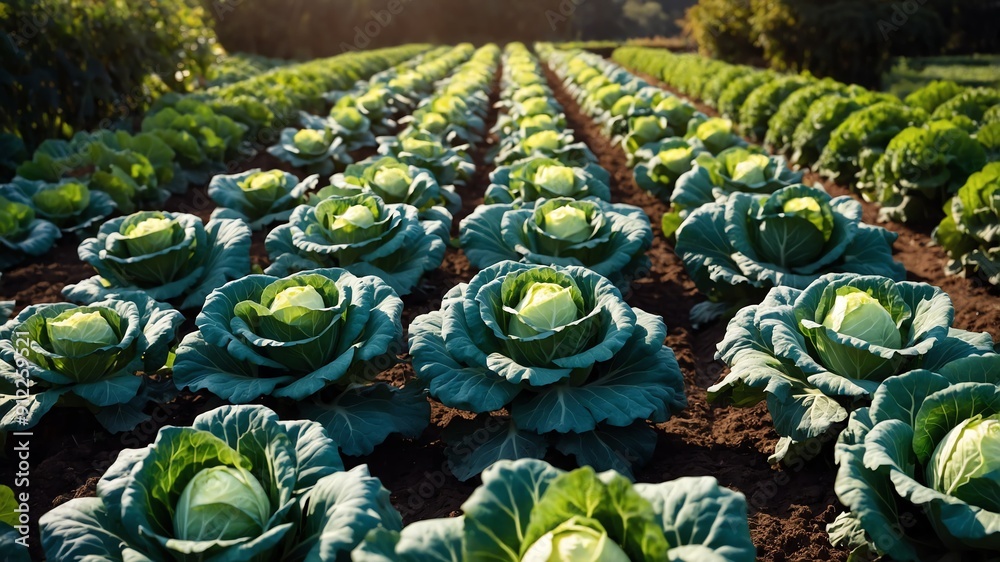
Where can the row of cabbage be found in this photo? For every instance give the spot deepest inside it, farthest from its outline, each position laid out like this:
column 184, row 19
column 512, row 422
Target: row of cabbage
column 69, row 186
column 919, row 396
column 537, row 332
column 937, row 147
column 736, row 244
column 240, row 483
column 389, row 215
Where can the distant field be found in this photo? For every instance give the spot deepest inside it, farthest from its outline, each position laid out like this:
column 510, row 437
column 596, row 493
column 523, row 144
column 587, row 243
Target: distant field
column 909, row 74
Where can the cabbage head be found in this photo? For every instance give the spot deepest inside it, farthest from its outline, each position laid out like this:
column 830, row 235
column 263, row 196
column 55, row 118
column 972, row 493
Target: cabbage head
column 318, row 340
column 560, row 349
column 237, row 484
column 816, row 353
column 97, row 356
column 167, row 255
column 528, row 511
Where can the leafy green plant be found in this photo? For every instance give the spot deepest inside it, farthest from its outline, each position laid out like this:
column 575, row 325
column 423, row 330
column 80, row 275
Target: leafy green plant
column 815, row 354
column 921, row 168
column 970, row 232
column 931, row 96
column 733, row 97
column 257, row 197
column 21, row 234
column 714, row 134
column 97, row 356
column 166, row 255
column 763, row 103
column 314, row 151
column 562, row 351
column 546, row 178
column 813, row 133
column 924, row 451
column 10, row 538
column 237, row 483
column 561, row 146
column 972, row 103
column 663, row 163
column 856, row 144
column 70, row 205
column 609, row 239
column 316, row 339
column 362, row 234
column 449, row 165
column 734, row 170
column 353, row 127
column 792, row 111
column 736, row 251
column 528, row 511
column 398, row 183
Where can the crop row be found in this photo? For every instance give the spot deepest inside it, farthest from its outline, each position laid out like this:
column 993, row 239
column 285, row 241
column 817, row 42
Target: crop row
column 939, row 147
column 837, row 336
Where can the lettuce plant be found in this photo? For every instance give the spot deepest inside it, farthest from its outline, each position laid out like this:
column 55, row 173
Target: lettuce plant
column 714, row 179
column 562, row 351
column 166, row 255
column 736, row 251
column 545, row 178
column 763, row 103
column 792, row 111
column 917, row 468
column 361, row 234
column 922, row 168
column 662, row 164
column 814, row 354
column 22, row 234
column 932, row 95
column 316, row 339
column 70, row 205
column 859, row 140
column 449, row 165
column 315, row 151
column 398, row 183
column 970, row 233
column 609, row 239
column 825, row 114
column 238, row 484
column 528, row 511
column 94, row 356
column 257, row 197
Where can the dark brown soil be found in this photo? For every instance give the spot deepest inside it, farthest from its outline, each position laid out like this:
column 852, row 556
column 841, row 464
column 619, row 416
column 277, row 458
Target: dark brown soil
column 789, row 508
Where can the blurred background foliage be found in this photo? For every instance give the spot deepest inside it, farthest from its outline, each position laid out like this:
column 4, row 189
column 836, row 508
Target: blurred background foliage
column 68, row 65
column 850, row 40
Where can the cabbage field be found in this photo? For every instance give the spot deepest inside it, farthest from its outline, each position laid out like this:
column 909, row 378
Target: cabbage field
column 506, row 303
